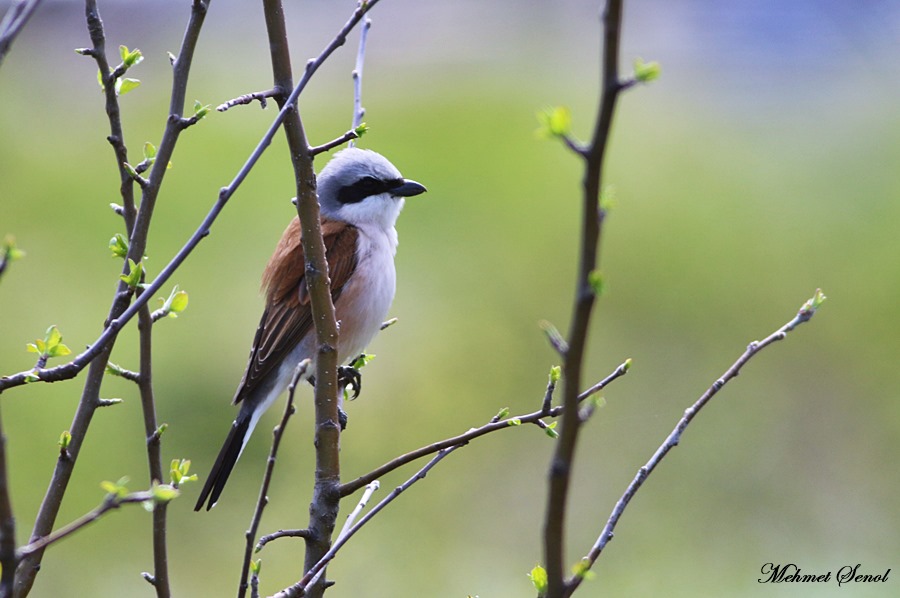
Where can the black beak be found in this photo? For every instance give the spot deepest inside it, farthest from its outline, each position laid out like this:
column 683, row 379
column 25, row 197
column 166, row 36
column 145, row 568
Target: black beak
column 408, row 188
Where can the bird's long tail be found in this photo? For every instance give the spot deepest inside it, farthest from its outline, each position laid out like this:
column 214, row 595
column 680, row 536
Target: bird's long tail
column 234, row 443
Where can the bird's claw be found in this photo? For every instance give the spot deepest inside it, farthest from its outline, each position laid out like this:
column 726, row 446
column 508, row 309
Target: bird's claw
column 349, row 377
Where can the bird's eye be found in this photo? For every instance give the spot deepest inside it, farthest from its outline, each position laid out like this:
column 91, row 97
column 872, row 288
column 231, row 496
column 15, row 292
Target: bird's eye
column 368, row 183
column 361, row 189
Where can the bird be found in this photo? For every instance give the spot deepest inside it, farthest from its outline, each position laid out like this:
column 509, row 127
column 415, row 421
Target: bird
column 360, row 197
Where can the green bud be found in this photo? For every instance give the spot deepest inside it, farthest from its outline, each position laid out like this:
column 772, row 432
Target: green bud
column 646, row 72
column 596, row 282
column 555, row 122
column 538, row 577
column 555, row 374
column 64, row 440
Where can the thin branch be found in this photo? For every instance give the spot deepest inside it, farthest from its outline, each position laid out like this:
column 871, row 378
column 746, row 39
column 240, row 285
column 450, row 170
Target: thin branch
column 8, row 558
column 803, row 315
column 13, row 22
column 319, row 149
column 592, row 220
column 282, row 533
column 461, row 439
column 358, row 110
column 111, row 502
column 249, row 98
column 300, row 587
column 263, row 499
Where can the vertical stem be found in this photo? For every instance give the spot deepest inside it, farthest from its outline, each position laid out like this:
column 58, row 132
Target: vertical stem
column 7, row 526
column 562, row 462
column 324, row 508
column 154, row 453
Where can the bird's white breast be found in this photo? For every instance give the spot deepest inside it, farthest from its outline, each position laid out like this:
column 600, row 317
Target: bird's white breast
column 366, row 299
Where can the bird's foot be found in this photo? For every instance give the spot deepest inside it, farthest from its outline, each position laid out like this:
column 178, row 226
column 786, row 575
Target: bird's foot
column 349, row 377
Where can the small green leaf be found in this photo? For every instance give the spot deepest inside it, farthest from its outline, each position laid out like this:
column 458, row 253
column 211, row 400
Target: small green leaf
column 502, row 414
column 550, row 430
column 627, row 365
column 646, row 72
column 361, row 130
column 515, row 422
column 149, row 151
column 179, row 302
column 256, row 567
column 163, row 493
column 117, row 488
column 538, row 577
column 119, row 244
column 200, row 110
column 125, row 85
column 130, row 58
column 361, row 361
column 161, row 429
column 817, row 299
column 51, row 346
column 555, row 122
column 64, row 439
column 179, row 472
column 133, row 278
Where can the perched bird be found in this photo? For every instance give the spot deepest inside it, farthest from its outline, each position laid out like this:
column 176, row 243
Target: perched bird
column 360, row 196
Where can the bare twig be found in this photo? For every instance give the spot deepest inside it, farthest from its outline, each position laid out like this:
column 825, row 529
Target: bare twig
column 358, row 110
column 803, row 315
column 249, row 98
column 15, row 18
column 282, row 533
column 592, row 222
column 348, row 136
column 263, row 499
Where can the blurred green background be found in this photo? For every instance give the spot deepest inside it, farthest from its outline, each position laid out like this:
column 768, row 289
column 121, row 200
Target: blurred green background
column 762, row 165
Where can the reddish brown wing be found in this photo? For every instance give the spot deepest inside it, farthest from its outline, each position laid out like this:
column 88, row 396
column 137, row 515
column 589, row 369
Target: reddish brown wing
column 288, row 317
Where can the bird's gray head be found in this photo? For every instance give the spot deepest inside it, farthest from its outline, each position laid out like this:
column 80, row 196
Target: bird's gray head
column 361, row 187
